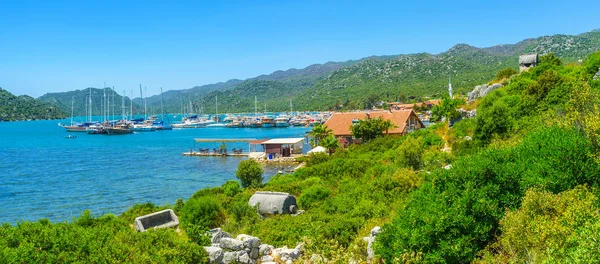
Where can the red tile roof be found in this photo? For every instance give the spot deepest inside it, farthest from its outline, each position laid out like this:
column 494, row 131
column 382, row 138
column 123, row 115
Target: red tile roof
column 340, row 123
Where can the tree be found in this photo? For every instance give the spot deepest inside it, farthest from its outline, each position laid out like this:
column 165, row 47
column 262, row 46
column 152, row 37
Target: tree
column 330, row 143
column 505, row 74
column 318, row 133
column 446, row 109
column 250, row 173
column 368, row 129
column 387, row 125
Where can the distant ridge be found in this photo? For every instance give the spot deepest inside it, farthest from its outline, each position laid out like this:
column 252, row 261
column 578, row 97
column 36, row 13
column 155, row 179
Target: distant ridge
column 357, row 84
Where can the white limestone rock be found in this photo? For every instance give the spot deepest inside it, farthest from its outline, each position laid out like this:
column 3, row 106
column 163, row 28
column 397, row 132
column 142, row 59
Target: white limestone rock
column 251, row 245
column 215, row 254
column 370, row 251
column 265, row 249
column 230, row 244
column 266, row 258
column 217, row 234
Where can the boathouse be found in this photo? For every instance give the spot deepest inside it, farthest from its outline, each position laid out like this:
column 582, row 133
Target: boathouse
column 527, row 61
column 276, row 148
column 405, row 121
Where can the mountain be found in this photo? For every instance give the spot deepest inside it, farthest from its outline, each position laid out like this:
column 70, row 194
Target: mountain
column 371, row 81
column 24, row 107
column 80, row 101
column 238, row 95
column 361, row 83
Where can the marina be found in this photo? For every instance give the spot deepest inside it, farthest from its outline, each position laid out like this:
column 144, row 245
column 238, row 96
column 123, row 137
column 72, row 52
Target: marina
column 109, row 174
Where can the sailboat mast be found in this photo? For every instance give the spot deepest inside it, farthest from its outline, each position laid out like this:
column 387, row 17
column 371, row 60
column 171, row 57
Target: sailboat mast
column 131, row 104
column 216, row 109
column 103, row 108
column 90, row 105
column 72, row 105
column 291, row 107
column 145, row 105
column 123, row 106
column 113, row 101
column 255, row 105
column 162, row 112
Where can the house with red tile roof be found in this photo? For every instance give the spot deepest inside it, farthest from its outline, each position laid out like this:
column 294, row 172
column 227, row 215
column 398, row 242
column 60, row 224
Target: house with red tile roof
column 405, row 121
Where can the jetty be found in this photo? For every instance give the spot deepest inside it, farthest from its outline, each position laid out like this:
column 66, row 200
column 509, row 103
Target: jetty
column 213, row 154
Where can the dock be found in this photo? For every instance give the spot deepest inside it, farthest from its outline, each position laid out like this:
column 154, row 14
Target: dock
column 212, row 154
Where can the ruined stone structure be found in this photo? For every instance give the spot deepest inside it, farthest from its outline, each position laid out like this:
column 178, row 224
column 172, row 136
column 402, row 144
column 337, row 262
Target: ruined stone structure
column 162, row 219
column 274, row 203
column 527, row 61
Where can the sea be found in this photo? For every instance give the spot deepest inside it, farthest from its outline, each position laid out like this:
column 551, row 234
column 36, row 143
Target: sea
column 45, row 175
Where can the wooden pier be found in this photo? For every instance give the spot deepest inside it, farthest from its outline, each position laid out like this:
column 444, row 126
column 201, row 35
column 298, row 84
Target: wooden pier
column 212, row 154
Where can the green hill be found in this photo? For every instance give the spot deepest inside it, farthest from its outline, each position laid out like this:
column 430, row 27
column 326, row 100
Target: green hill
column 80, row 101
column 361, row 83
column 13, row 108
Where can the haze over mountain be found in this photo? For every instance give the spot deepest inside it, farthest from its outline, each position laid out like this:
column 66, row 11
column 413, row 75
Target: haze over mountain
column 360, row 83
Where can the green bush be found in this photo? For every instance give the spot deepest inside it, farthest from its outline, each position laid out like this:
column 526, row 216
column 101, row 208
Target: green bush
column 456, row 212
column 312, row 196
column 250, row 173
column 107, row 239
column 205, row 212
column 231, row 188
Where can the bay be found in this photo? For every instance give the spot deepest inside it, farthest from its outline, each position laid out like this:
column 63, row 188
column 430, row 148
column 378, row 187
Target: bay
column 44, row 175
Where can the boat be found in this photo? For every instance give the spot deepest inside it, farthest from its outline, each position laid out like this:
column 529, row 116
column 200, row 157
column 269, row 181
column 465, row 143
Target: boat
column 216, row 125
column 120, row 129
column 143, row 128
column 74, row 128
column 282, row 121
column 95, row 129
column 267, row 122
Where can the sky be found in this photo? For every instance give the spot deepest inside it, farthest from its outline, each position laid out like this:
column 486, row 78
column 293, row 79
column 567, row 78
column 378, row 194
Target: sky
column 56, row 46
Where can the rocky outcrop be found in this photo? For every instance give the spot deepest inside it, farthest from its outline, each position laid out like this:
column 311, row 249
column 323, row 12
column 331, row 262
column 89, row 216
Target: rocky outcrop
column 247, row 249
column 597, row 76
column 482, row 90
column 370, row 240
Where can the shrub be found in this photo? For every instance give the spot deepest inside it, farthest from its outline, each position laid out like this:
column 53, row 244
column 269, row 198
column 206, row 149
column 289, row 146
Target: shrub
column 312, row 196
column 250, row 173
column 549, row 228
column 205, row 212
column 231, row 188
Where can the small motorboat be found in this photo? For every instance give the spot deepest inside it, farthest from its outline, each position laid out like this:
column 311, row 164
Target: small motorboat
column 70, row 137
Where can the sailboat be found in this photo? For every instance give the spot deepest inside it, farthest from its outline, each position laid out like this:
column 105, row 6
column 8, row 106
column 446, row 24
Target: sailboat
column 144, row 126
column 123, row 127
column 72, row 127
column 216, row 117
column 161, row 125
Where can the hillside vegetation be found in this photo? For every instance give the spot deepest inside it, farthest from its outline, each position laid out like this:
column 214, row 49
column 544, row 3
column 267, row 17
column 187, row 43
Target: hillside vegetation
column 523, row 187
column 362, row 83
column 13, row 108
column 80, row 99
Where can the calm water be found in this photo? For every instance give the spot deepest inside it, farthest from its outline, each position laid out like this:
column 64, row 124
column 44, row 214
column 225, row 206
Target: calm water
column 44, row 175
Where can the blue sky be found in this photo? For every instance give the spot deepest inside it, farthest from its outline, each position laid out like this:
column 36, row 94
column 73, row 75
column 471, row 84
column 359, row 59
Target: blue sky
column 53, row 46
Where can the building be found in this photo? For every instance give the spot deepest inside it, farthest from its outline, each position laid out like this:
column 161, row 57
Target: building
column 405, row 121
column 527, row 61
column 278, row 147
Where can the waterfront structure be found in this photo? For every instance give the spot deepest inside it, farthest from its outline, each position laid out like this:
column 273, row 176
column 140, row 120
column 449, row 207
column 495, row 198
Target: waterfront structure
column 405, row 121
column 527, row 61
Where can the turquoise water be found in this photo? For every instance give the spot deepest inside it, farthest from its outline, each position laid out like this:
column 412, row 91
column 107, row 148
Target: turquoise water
column 44, row 175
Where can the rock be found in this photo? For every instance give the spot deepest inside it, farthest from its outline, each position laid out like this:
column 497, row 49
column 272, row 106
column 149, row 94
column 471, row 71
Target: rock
column 482, row 90
column 244, row 258
column 215, row 254
column 217, row 234
column 265, row 249
column 287, row 254
column 266, row 258
column 230, row 244
column 270, row 262
column 374, row 232
column 251, row 245
column 597, row 76
column 289, row 261
column 231, row 257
